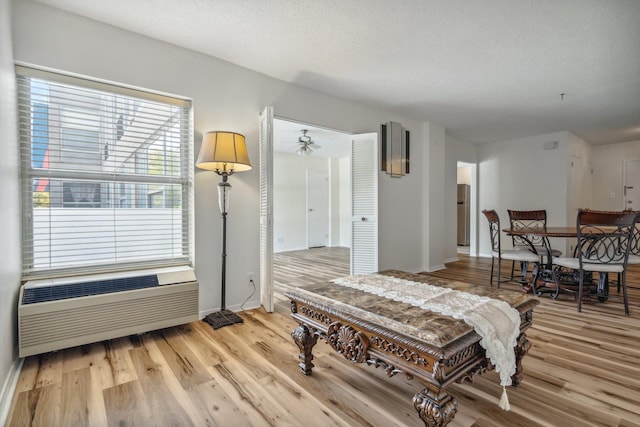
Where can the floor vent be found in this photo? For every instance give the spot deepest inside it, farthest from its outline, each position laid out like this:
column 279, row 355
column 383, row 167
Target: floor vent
column 62, row 313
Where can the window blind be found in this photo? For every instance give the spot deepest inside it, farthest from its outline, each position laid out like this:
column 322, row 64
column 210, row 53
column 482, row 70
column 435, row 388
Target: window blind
column 107, row 177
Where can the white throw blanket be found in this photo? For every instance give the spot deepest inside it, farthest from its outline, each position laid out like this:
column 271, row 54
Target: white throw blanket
column 497, row 323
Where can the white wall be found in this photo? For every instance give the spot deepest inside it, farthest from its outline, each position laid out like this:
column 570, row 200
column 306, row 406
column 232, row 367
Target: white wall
column 579, row 186
column 10, row 261
column 435, row 197
column 608, row 173
column 344, row 167
column 520, row 174
column 228, row 97
column 340, row 216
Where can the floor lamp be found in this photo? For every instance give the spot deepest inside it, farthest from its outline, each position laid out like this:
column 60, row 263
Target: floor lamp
column 224, row 153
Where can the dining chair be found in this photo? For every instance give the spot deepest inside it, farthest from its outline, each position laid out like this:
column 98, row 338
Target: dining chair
column 529, row 219
column 634, row 249
column 511, row 255
column 604, row 240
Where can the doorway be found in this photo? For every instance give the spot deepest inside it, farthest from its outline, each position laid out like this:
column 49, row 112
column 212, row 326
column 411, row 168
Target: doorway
column 358, row 169
column 311, row 203
column 466, row 209
column 311, row 192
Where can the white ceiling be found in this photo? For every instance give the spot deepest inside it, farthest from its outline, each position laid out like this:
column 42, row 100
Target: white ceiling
column 327, row 142
column 486, row 70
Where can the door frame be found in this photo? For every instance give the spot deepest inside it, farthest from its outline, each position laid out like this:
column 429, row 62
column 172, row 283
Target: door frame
column 473, row 205
column 266, row 200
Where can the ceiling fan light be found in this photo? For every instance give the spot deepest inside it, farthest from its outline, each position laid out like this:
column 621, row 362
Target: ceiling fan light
column 305, row 144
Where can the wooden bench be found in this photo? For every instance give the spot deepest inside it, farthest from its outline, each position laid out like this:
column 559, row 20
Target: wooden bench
column 401, row 338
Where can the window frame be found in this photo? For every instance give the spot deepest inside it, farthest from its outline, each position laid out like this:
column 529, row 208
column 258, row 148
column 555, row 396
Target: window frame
column 30, row 173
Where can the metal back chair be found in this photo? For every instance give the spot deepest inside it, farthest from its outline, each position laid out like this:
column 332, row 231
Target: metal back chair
column 527, row 219
column 634, row 245
column 604, row 240
column 634, row 250
column 498, row 253
column 539, row 244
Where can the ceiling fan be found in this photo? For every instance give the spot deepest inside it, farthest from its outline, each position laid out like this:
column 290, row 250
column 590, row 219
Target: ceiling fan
column 305, row 145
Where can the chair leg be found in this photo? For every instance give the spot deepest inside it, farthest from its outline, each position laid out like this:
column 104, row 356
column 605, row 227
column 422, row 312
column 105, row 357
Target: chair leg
column 580, row 291
column 618, row 283
column 556, row 279
column 491, row 280
column 513, row 266
column 624, row 292
column 499, row 270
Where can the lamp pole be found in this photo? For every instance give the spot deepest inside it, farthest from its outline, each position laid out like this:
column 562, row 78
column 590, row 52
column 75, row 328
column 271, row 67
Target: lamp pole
column 224, row 188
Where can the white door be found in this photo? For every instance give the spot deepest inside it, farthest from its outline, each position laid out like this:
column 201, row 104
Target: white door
column 576, row 188
column 364, row 203
column 266, row 208
column 632, row 185
column 588, row 185
column 317, row 209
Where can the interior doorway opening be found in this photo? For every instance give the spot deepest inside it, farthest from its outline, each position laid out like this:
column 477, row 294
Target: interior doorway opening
column 466, row 203
column 311, row 204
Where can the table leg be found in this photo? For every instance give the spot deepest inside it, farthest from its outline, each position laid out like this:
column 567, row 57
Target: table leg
column 435, row 408
column 603, row 287
column 305, row 341
column 524, row 266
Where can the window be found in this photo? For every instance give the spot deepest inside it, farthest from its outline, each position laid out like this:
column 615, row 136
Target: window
column 79, row 144
column 81, row 195
column 107, row 176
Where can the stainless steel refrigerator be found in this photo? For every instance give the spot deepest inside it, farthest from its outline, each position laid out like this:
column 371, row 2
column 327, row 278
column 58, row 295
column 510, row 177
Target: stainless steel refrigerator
column 464, row 221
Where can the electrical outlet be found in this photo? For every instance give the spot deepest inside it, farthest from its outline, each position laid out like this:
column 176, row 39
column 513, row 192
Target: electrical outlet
column 249, row 277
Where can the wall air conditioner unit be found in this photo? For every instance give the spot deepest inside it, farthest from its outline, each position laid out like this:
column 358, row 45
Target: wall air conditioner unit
column 59, row 313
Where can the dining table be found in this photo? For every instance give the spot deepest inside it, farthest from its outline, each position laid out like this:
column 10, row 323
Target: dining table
column 568, row 279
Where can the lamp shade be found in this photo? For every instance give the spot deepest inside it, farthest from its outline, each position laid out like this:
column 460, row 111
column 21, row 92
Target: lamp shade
column 224, row 153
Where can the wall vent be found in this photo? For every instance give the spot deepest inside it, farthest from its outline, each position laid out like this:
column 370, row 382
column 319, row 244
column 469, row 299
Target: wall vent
column 60, row 313
column 98, row 287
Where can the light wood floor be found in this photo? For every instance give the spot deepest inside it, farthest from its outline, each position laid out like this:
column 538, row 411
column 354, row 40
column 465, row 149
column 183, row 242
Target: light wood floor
column 583, row 370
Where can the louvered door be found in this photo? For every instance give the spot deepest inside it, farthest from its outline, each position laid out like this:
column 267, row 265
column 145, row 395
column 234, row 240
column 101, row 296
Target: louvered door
column 364, row 204
column 266, row 209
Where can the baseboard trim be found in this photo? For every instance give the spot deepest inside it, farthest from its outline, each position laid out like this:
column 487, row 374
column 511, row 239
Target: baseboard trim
column 437, row 267
column 8, row 389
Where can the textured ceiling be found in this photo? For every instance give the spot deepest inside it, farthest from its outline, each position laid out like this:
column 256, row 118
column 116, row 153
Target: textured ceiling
column 486, row 70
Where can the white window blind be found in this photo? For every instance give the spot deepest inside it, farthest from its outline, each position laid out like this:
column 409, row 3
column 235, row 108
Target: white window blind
column 106, row 176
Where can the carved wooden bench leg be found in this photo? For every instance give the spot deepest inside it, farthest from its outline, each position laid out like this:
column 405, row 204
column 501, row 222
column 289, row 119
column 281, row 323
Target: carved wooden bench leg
column 305, row 341
column 435, row 409
column 521, row 349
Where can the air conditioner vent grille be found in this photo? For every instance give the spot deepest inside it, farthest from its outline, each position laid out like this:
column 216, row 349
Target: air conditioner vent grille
column 99, row 287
